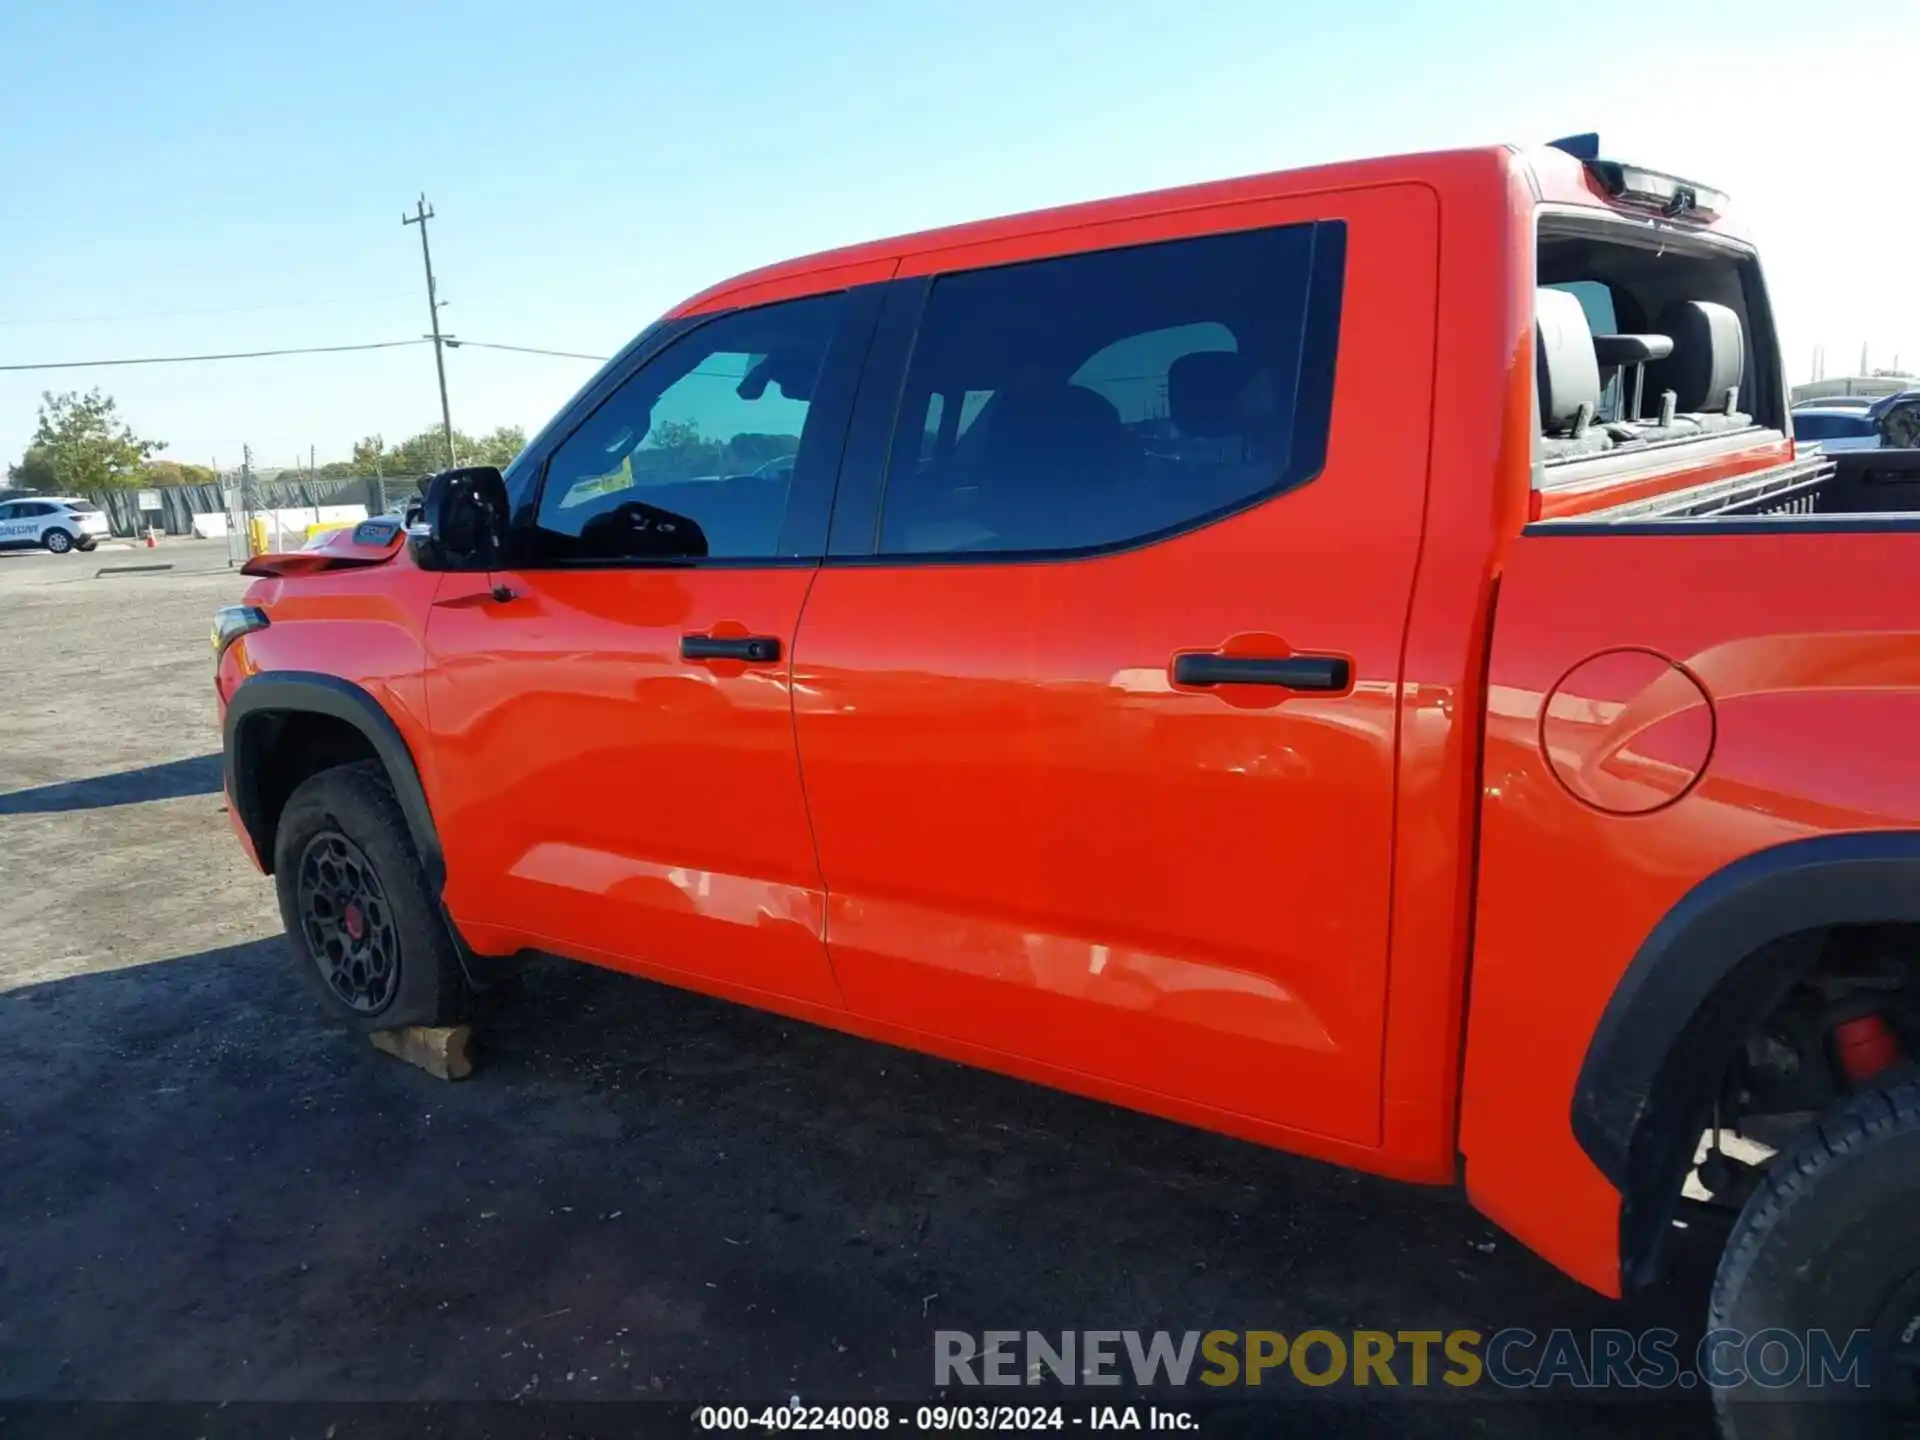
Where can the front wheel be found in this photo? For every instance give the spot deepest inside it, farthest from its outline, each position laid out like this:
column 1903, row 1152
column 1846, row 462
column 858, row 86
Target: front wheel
column 58, row 541
column 1816, row 1307
column 362, row 922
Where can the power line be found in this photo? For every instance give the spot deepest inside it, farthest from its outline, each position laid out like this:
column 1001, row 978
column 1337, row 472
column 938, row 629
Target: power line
column 298, row 350
column 454, row 344
column 19, row 321
column 228, row 355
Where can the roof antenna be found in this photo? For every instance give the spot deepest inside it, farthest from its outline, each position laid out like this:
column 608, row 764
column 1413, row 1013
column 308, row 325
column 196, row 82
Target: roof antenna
column 1580, row 147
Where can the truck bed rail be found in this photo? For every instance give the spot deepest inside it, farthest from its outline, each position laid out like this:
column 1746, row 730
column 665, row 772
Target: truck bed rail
column 1884, row 484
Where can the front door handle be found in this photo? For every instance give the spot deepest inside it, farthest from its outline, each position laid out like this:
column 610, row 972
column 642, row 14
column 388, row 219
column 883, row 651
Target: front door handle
column 1294, row 672
column 754, row 649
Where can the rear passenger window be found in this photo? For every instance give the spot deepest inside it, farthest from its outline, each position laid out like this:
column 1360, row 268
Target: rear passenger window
column 694, row 455
column 1109, row 398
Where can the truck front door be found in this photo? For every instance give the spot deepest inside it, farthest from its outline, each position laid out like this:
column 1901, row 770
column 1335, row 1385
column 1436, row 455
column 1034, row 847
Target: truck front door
column 612, row 725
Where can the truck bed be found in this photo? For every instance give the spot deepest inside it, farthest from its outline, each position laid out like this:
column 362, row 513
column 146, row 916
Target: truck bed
column 1781, row 600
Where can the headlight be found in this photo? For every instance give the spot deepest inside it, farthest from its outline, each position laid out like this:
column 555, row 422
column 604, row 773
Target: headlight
column 230, row 622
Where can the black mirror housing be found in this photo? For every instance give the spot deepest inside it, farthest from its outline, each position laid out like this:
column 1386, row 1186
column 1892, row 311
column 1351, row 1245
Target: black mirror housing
column 462, row 523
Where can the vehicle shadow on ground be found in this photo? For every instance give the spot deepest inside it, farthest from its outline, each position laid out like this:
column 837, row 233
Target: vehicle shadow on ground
column 645, row 1193
column 169, row 780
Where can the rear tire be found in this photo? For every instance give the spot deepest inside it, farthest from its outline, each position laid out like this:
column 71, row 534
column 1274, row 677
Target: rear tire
column 363, row 925
column 1830, row 1243
column 57, row 541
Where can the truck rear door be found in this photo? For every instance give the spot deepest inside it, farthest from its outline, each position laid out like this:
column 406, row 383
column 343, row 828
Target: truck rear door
column 1095, row 703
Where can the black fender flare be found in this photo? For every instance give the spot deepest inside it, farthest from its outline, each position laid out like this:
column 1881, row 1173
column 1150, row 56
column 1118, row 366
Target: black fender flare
column 284, row 691
column 1725, row 944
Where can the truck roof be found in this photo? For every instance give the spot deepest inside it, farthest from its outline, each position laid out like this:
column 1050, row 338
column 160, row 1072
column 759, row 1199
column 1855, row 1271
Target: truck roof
column 1555, row 177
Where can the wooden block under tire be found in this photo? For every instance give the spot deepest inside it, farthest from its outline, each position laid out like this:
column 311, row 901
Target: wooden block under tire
column 441, row 1051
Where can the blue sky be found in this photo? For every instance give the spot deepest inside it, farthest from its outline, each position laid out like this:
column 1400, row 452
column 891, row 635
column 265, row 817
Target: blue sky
column 182, row 177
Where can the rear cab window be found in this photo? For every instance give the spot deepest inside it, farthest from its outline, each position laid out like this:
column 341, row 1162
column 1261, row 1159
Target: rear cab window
column 1596, row 299
column 1654, row 351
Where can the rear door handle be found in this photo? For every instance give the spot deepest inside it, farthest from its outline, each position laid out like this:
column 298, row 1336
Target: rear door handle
column 1295, row 672
column 754, row 649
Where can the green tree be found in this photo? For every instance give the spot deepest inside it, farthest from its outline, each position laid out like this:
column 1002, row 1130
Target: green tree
column 368, row 454
column 81, row 444
column 496, row 448
column 676, row 447
column 35, row 471
column 172, row 472
column 426, row 452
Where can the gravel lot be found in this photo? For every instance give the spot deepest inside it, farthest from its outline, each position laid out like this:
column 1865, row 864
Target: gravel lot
column 207, row 1196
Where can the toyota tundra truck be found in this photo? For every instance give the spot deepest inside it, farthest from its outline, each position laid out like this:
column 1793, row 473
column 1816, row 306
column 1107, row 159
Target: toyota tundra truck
column 1353, row 658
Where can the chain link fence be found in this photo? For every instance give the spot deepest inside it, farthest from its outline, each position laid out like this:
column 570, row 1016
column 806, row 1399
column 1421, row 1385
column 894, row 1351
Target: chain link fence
column 239, row 497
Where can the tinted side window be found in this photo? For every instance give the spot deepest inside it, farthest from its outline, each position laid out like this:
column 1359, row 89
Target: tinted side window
column 694, row 455
column 1103, row 398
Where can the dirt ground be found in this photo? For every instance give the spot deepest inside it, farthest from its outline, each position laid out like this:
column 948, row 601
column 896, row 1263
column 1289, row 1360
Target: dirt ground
column 206, row 1195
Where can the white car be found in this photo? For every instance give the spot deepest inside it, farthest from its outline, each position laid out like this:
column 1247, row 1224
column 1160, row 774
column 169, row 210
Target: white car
column 52, row 522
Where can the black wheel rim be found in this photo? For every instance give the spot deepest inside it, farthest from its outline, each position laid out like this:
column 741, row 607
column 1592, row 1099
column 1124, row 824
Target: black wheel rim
column 347, row 923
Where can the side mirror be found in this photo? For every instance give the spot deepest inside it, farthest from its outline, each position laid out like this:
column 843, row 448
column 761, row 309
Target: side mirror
column 462, row 521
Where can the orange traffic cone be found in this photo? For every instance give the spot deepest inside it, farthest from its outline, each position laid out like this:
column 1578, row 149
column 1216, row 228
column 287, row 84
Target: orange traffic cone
column 150, row 537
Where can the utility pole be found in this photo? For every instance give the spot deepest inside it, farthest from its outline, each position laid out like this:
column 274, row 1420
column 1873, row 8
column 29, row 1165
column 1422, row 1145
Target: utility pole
column 422, row 213
column 246, row 498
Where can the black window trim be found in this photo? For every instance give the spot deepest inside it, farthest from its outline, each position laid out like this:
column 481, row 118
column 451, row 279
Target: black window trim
column 854, row 535
column 1317, row 386
column 841, row 372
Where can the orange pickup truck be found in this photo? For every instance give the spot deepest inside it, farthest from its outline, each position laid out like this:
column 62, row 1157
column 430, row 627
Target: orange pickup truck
column 1351, row 658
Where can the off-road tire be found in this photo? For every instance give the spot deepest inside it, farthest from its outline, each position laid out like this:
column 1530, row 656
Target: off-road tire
column 1831, row 1241
column 356, row 804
